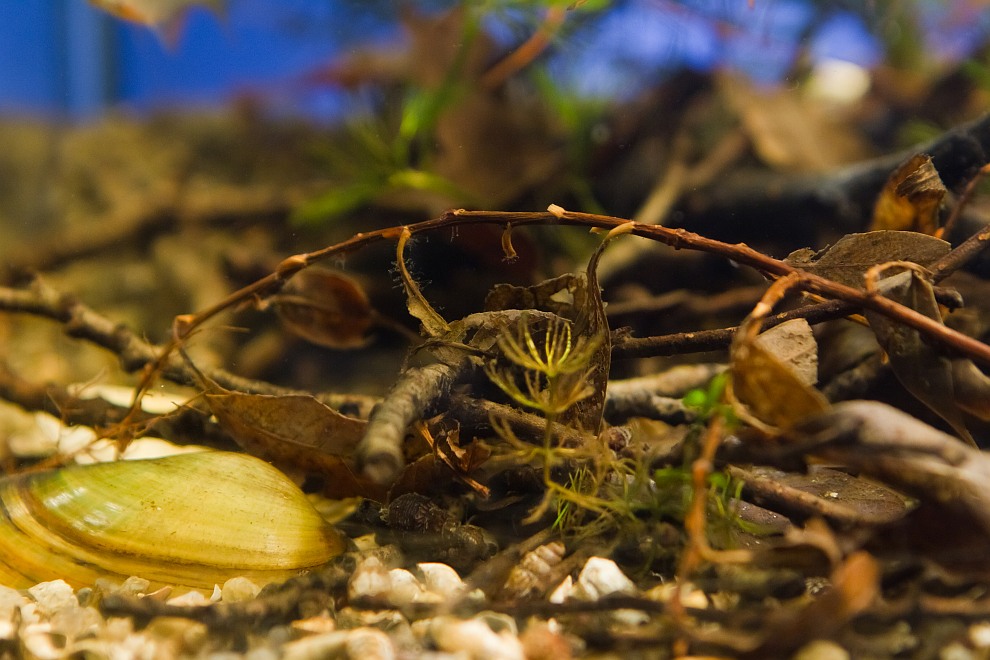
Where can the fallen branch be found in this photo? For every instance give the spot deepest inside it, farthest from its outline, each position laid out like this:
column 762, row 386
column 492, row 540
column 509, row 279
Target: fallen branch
column 789, row 204
column 135, row 354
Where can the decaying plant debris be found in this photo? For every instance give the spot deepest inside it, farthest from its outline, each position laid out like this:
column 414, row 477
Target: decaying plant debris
column 677, row 444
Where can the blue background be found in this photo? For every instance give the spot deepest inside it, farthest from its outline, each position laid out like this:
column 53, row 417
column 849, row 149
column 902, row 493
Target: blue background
column 66, row 59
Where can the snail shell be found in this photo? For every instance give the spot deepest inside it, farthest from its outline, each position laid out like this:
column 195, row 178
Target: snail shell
column 191, row 519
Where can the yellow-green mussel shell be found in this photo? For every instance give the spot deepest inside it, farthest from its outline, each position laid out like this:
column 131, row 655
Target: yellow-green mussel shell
column 191, row 520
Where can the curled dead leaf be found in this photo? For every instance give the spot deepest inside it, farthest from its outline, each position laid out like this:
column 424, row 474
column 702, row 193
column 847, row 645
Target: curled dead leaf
column 326, row 308
column 766, row 391
column 920, row 368
column 911, row 197
column 851, row 256
column 297, row 433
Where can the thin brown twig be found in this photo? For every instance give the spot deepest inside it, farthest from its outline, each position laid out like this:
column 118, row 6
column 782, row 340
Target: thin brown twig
column 713, row 340
column 961, row 255
column 964, row 200
column 697, row 549
column 134, row 353
column 676, row 238
column 743, row 254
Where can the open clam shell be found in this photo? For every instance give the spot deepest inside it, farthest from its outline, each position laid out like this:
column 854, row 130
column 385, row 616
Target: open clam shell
column 191, row 519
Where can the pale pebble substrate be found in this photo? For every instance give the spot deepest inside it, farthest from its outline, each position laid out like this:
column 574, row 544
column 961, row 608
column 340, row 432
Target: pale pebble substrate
column 51, row 621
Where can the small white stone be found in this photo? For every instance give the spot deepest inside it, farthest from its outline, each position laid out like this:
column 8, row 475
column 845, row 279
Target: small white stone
column 475, row 640
column 238, row 590
column 261, row 653
column 979, row 635
column 315, row 625
column 190, row 598
column 563, row 591
column 406, row 589
column 441, row 579
column 75, row 622
column 10, row 597
column 11, row 602
column 316, row 647
column 369, row 644
column 370, row 581
column 53, row 596
column 821, row 649
column 957, row 651
column 143, row 448
column 601, row 577
column 134, row 586
column 41, row 646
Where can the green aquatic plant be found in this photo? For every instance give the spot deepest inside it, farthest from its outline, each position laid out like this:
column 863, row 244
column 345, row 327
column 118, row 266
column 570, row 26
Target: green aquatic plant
column 554, row 373
column 591, row 489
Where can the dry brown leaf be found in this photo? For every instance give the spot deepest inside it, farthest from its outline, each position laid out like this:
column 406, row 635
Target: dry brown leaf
column 326, row 308
column 766, row 392
column 911, row 197
column 972, row 388
column 874, row 502
column 848, row 260
column 427, row 475
column 434, row 325
column 576, row 298
column 444, row 440
column 924, row 372
column 793, row 343
column 770, row 391
column 296, row 432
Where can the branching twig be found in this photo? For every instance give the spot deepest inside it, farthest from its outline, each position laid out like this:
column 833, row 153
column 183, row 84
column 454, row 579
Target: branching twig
column 842, row 199
column 186, row 423
column 134, row 353
column 743, row 254
column 713, row 340
column 275, row 606
column 380, row 451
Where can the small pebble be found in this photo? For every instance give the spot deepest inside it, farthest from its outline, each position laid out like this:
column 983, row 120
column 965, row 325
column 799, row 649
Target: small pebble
column 238, row 590
column 314, row 625
column 261, row 653
column 191, row 635
column 821, row 649
column 957, row 651
column 370, row 581
column 369, row 644
column 602, row 577
column 979, row 635
column 76, row 622
column 53, row 596
column 563, row 591
column 406, row 589
column 316, row 647
column 190, row 598
column 42, row 645
column 541, row 642
column 473, row 639
column 134, row 586
column 441, row 579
